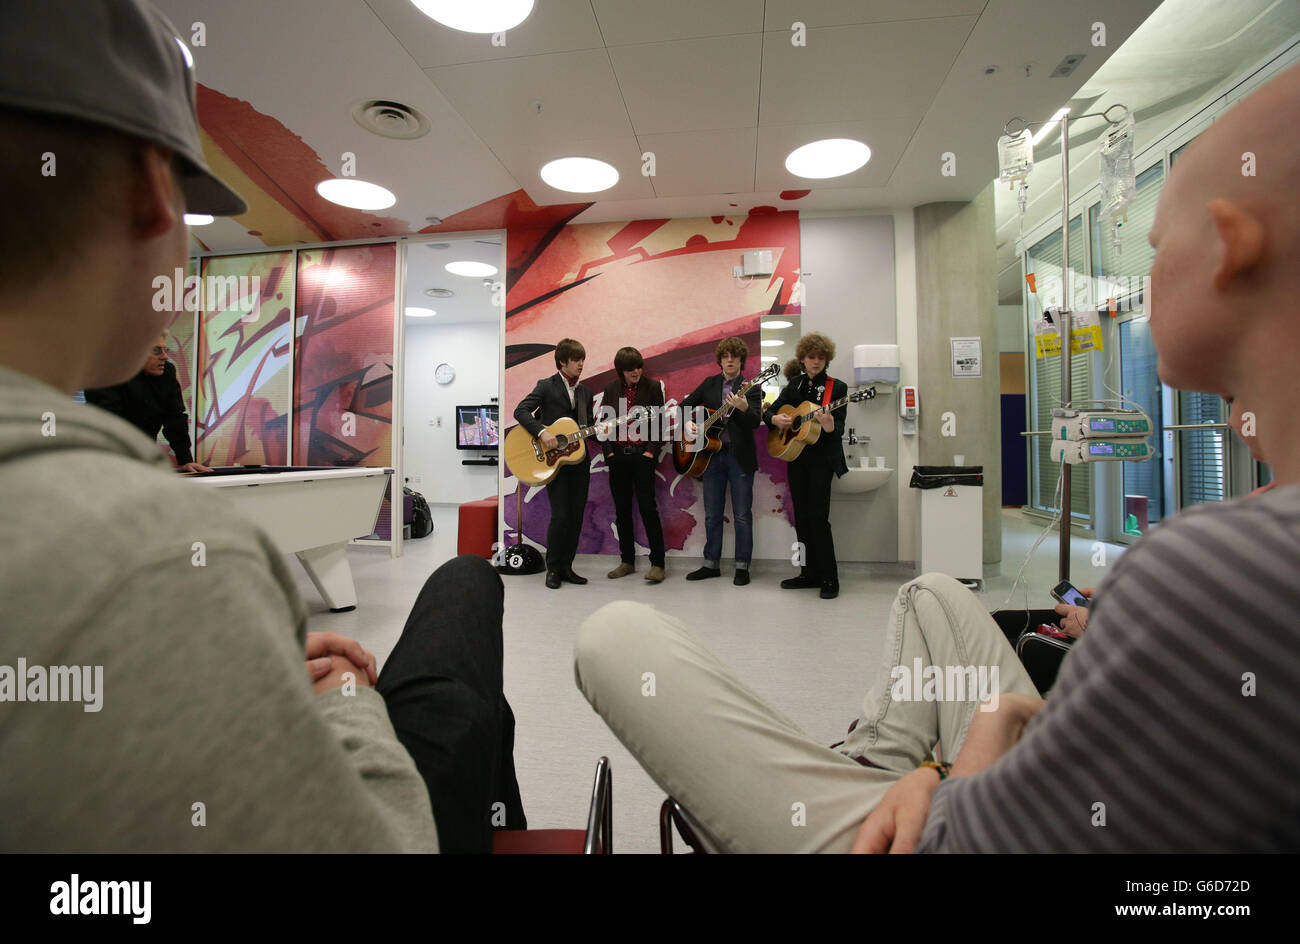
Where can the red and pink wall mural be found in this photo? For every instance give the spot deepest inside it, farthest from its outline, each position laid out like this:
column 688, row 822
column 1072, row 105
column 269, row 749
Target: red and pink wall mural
column 666, row 288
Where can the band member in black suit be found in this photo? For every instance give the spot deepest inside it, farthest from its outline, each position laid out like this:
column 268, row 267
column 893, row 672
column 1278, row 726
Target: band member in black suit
column 735, row 464
column 811, row 474
column 556, row 396
column 151, row 400
column 632, row 454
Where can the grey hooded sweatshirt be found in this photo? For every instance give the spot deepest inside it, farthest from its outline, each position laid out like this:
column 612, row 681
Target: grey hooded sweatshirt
column 202, row 734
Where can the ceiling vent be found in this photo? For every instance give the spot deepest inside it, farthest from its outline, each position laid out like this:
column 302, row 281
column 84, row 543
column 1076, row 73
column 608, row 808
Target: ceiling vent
column 1067, row 65
column 391, row 119
column 438, row 245
column 439, row 292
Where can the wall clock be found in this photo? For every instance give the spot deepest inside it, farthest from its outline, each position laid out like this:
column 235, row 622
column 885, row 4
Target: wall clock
column 445, row 373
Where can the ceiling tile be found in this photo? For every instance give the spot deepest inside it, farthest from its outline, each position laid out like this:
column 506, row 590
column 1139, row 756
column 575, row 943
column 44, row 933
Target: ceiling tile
column 702, row 162
column 577, row 91
column 781, row 14
column 636, row 21
column 553, row 26
column 691, row 85
column 885, row 70
column 525, row 161
column 887, row 138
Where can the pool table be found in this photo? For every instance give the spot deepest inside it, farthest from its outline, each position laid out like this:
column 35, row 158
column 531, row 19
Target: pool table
column 311, row 512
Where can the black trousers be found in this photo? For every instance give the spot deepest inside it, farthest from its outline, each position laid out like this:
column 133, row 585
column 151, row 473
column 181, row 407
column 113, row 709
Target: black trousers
column 629, row 474
column 442, row 685
column 810, row 491
column 568, row 496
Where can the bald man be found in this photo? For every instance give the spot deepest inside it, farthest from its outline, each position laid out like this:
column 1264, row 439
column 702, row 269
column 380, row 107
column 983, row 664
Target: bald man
column 152, row 400
column 1174, row 725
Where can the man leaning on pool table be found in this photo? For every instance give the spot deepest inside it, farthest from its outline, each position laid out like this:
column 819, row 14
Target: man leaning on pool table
column 238, row 709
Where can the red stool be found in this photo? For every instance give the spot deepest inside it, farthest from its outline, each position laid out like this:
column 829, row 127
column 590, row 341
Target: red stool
column 478, row 528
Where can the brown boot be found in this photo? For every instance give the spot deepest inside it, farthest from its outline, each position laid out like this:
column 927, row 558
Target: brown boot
column 622, row 570
column 656, row 575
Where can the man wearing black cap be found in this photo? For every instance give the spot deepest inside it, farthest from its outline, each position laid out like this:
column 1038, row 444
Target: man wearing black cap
column 231, row 728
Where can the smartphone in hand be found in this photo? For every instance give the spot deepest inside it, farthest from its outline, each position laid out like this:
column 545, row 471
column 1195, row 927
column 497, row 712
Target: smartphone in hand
column 1069, row 594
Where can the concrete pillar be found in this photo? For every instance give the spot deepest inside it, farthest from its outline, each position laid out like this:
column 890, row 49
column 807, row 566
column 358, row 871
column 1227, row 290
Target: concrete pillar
column 956, row 296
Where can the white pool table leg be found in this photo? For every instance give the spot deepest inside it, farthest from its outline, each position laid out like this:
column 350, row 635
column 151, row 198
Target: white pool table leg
column 328, row 568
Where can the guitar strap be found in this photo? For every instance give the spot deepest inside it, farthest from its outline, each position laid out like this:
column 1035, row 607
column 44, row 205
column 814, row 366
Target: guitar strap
column 830, row 389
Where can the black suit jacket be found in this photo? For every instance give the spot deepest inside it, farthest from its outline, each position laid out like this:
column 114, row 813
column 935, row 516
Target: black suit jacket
column 150, row 403
column 740, row 424
column 829, row 447
column 549, row 401
column 648, row 394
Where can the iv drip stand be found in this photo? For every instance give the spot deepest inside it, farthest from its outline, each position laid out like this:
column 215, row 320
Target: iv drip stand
column 1067, row 314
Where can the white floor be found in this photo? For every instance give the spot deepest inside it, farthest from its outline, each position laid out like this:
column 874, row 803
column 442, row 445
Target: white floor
column 808, row 656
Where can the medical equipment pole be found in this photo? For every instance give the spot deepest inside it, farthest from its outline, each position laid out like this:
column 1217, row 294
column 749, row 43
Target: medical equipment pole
column 1067, row 309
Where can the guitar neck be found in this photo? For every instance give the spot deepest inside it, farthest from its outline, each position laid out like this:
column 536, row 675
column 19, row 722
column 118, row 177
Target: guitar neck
column 721, row 412
column 830, row 407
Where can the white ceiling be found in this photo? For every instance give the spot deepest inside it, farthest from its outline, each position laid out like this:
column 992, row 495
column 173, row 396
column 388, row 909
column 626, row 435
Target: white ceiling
column 1181, row 59
column 715, row 89
column 472, row 302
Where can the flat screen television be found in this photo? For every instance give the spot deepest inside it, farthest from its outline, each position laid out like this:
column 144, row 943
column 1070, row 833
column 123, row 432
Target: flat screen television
column 477, row 427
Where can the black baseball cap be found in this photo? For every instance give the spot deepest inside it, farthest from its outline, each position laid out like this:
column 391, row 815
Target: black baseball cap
column 114, row 63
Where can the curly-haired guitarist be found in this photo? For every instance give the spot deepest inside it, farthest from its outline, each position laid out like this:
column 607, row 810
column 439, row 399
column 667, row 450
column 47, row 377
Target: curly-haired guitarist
column 734, row 464
column 816, row 466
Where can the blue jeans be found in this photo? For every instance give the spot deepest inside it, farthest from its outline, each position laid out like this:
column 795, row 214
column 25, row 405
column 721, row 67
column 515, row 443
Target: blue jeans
column 723, row 470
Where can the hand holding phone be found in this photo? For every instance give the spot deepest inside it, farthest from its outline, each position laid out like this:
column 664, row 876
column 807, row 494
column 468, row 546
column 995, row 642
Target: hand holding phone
column 1073, row 606
column 1069, row 594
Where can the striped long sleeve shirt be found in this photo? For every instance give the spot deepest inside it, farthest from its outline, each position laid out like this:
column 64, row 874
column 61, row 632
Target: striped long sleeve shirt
column 1175, row 723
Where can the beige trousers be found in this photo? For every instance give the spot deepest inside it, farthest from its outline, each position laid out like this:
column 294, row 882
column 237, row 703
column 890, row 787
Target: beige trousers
column 747, row 774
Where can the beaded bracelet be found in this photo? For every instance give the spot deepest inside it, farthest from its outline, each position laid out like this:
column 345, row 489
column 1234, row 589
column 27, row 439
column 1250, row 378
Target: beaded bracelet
column 942, row 769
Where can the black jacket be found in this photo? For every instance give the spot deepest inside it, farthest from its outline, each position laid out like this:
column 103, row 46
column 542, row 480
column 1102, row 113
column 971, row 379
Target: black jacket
column 549, row 401
column 150, row 403
column 740, row 424
column 648, row 394
column 829, row 447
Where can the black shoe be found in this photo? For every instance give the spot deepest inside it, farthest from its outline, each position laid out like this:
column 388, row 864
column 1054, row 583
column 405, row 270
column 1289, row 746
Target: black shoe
column 571, row 577
column 553, row 580
column 741, row 579
column 704, row 573
column 830, row 589
column 802, row 582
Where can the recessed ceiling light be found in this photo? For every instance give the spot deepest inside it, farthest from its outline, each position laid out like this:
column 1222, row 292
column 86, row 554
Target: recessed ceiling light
column 579, row 174
column 471, row 269
column 420, row 312
column 833, row 157
column 439, row 292
column 768, row 357
column 357, row 194
column 476, row 16
column 197, row 219
column 777, row 324
column 772, row 343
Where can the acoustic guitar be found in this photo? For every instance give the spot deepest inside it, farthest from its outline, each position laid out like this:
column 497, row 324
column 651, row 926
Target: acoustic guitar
column 692, row 458
column 529, row 462
column 786, row 444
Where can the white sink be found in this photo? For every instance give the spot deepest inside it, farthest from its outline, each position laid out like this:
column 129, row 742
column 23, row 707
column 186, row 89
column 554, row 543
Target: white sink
column 859, row 480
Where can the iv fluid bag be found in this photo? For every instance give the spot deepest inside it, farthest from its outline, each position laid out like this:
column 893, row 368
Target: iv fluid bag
column 1015, row 156
column 1118, row 184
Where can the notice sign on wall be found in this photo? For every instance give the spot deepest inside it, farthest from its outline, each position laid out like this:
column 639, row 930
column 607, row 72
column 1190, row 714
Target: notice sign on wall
column 967, row 360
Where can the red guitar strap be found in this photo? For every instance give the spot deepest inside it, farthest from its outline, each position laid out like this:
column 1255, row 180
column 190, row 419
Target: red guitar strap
column 830, row 388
